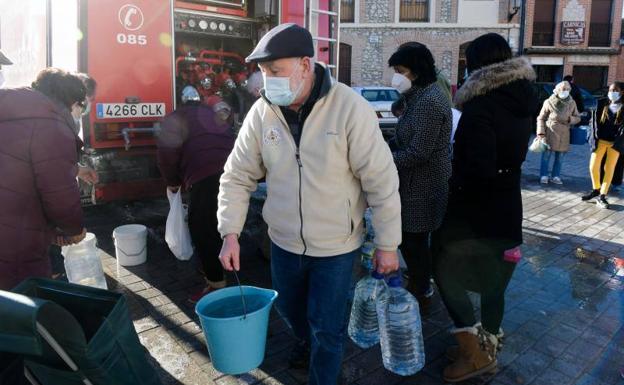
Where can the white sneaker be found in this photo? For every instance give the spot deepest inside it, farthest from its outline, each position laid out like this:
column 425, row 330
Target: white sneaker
column 557, row 180
column 544, row 180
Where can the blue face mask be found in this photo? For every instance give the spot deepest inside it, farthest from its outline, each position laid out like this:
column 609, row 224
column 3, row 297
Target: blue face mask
column 277, row 90
column 613, row 96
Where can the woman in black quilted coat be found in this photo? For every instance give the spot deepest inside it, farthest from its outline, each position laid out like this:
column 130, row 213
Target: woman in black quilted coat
column 421, row 154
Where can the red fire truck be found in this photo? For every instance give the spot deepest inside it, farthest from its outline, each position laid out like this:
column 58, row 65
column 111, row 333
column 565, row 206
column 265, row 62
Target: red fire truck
column 143, row 52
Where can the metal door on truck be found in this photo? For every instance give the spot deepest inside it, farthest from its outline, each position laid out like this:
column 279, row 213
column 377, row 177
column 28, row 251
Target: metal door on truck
column 127, row 50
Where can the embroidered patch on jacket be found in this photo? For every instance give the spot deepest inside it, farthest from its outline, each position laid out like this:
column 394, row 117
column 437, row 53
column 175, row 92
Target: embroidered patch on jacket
column 272, row 137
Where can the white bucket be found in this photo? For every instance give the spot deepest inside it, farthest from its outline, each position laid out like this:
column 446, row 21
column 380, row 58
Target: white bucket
column 130, row 244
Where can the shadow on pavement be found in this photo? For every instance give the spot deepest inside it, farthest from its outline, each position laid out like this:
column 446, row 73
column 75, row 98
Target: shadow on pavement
column 564, row 313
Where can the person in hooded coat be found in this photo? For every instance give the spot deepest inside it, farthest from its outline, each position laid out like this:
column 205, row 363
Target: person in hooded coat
column 476, row 247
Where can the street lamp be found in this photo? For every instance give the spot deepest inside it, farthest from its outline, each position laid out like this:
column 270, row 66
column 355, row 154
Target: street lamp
column 514, row 6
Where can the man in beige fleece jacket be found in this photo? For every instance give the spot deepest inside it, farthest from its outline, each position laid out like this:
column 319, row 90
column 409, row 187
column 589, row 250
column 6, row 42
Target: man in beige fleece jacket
column 320, row 148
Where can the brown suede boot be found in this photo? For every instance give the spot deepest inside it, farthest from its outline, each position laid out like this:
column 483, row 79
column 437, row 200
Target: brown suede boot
column 452, row 352
column 477, row 355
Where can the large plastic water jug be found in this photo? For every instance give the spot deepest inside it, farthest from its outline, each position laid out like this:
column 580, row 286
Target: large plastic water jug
column 369, row 231
column 367, row 251
column 363, row 326
column 82, row 263
column 400, row 330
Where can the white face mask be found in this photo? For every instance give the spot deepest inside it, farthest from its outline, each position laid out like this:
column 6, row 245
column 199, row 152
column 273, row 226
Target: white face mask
column 87, row 109
column 401, row 82
column 1, row 79
column 613, row 96
column 76, row 111
column 563, row 94
column 277, row 89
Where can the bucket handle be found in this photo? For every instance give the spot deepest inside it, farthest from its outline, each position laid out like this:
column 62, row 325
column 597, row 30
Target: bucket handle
column 132, row 255
column 242, row 295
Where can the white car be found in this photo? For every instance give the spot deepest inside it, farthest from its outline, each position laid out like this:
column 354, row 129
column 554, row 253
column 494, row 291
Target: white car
column 381, row 98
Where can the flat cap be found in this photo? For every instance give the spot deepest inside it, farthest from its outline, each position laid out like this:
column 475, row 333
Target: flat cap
column 4, row 60
column 285, row 40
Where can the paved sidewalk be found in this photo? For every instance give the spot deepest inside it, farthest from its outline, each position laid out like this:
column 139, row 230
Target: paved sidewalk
column 565, row 304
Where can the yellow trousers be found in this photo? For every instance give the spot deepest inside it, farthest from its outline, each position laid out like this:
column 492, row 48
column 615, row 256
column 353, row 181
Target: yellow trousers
column 604, row 149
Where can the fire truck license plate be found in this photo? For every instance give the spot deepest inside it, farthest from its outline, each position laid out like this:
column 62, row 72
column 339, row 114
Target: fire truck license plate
column 125, row 110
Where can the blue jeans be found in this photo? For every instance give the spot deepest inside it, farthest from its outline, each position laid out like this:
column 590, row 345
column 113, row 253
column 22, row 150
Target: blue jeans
column 556, row 171
column 313, row 298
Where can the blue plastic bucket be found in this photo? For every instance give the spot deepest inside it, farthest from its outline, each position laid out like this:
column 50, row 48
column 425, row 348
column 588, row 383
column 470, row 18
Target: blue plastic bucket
column 235, row 340
column 578, row 135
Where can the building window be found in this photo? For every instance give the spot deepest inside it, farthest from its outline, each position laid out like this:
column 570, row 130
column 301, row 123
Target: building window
column 592, row 78
column 544, row 23
column 347, row 11
column 461, row 64
column 344, row 70
column 600, row 23
column 414, row 11
column 548, row 73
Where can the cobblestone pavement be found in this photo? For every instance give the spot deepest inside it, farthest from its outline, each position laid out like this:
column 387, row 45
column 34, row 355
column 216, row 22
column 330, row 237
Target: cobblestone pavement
column 565, row 304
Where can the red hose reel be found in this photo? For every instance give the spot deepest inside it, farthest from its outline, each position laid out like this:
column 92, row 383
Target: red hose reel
column 212, row 72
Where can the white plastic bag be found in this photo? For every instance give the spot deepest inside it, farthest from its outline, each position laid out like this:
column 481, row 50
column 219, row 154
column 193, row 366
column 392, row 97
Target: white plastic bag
column 538, row 145
column 177, row 234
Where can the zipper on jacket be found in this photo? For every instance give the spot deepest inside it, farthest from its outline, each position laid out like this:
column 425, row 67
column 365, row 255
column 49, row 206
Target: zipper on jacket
column 300, row 166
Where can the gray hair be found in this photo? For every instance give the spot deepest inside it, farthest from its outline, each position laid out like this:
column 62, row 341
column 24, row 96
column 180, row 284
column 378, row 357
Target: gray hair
column 560, row 86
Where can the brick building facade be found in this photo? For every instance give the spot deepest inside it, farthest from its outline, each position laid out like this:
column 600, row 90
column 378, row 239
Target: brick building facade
column 578, row 37
column 619, row 76
column 377, row 27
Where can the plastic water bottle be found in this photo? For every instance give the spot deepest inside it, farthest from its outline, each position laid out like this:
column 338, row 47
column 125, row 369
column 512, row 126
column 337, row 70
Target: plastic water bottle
column 367, row 250
column 363, row 325
column 368, row 218
column 83, row 265
column 400, row 330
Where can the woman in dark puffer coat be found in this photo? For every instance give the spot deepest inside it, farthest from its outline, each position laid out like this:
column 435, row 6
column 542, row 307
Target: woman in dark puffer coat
column 39, row 197
column 476, row 246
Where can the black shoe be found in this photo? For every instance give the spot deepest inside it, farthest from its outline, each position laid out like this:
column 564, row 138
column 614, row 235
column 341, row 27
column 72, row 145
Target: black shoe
column 591, row 195
column 300, row 356
column 422, row 296
column 602, row 202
